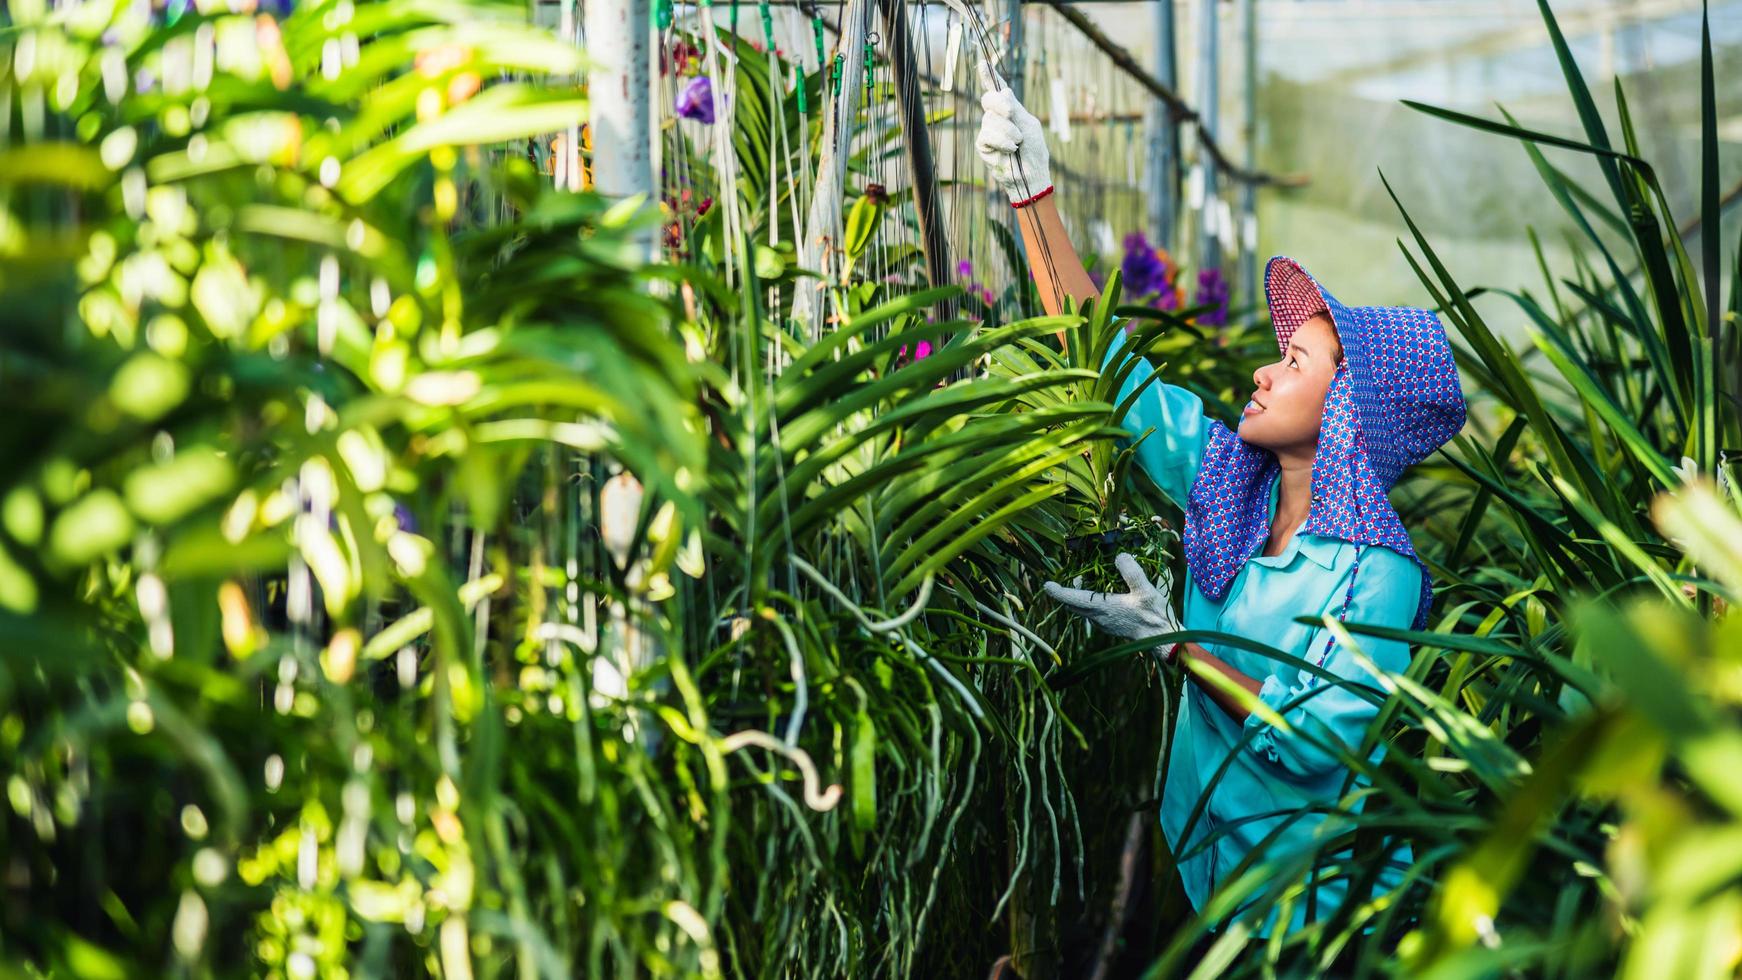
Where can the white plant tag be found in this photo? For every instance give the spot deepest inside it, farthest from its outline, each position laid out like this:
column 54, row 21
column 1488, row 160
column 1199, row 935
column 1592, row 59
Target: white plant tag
column 1061, row 113
column 952, row 53
column 1249, row 232
column 1195, row 186
column 1104, row 238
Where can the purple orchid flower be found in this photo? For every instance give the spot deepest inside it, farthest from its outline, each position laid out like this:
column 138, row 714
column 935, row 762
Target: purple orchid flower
column 696, row 101
column 1213, row 291
column 1145, row 274
column 1149, row 273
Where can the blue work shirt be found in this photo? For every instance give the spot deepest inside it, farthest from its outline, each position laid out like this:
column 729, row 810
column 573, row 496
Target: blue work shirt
column 1277, row 772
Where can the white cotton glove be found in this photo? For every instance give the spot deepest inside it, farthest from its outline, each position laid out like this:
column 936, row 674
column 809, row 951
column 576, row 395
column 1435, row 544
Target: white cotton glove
column 1011, row 141
column 1144, row 611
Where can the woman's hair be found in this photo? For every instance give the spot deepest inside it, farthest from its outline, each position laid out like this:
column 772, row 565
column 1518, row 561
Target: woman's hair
column 1326, row 313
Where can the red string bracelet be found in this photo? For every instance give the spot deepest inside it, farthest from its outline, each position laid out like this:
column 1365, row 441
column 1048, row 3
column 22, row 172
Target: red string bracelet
column 1028, row 201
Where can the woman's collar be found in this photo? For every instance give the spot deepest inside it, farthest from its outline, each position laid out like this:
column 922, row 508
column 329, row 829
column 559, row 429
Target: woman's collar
column 1319, row 548
column 1322, row 551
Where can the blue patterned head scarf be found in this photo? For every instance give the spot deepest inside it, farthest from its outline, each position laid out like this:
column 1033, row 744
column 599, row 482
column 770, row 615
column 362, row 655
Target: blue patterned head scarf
column 1394, row 399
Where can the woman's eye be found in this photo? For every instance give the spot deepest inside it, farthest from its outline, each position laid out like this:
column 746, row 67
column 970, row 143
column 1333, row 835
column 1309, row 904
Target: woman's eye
column 1291, row 362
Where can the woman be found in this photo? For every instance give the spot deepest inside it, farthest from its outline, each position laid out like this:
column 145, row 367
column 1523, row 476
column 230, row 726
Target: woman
column 1286, row 517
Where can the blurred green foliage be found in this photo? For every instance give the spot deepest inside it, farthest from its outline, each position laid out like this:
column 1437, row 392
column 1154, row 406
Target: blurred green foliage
column 401, row 576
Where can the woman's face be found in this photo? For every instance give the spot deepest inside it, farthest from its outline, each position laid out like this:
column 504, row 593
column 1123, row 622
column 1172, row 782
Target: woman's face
column 1285, row 411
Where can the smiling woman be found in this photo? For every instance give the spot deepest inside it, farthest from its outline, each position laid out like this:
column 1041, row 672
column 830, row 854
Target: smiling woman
column 1285, row 413
column 1286, row 519
column 1291, row 391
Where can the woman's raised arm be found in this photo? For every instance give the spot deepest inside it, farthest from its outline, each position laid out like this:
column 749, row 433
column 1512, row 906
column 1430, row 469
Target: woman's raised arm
column 1013, row 146
column 1058, row 269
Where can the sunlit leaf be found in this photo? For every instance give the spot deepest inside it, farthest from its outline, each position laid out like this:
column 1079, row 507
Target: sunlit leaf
column 90, row 527
column 164, row 492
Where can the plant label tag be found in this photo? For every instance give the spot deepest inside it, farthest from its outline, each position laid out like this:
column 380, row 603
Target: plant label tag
column 1061, row 113
column 952, row 53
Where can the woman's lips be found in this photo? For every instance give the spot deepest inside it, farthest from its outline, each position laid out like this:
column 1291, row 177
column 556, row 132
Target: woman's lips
column 1252, row 408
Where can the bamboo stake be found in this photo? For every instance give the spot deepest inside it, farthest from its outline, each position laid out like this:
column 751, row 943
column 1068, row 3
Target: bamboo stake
column 823, row 224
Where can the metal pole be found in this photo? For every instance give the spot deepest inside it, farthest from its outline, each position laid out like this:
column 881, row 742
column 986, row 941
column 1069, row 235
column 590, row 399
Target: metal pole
column 1248, row 230
column 916, row 141
column 1209, row 251
column 1163, row 134
column 618, row 87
